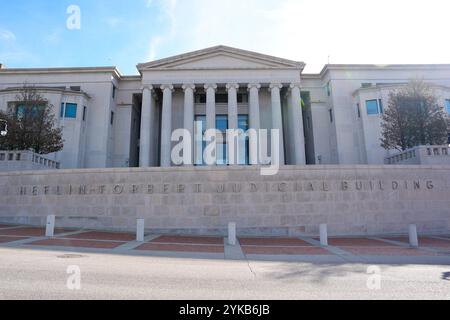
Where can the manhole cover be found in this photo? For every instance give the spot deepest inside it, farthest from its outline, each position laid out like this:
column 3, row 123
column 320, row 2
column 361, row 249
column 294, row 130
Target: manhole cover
column 71, row 256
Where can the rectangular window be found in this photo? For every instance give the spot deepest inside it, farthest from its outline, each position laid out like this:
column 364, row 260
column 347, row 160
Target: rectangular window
column 329, row 89
column 200, row 98
column 200, row 145
column 242, row 98
column 331, row 115
column 380, row 106
column 244, row 143
column 114, row 92
column 221, row 98
column 358, row 110
column 112, row 117
column 84, row 113
column 372, row 107
column 222, row 151
column 20, row 111
column 71, row 110
column 447, row 105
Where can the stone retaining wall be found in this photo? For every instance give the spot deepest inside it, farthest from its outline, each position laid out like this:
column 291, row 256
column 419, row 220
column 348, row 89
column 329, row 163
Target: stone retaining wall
column 352, row 200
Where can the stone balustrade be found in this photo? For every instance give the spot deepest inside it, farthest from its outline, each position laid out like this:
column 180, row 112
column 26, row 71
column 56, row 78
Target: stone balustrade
column 421, row 155
column 25, row 160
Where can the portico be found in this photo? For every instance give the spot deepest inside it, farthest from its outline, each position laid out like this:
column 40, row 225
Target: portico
column 242, row 90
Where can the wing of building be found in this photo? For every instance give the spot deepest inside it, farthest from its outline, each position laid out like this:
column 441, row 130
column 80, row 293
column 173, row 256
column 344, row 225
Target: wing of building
column 112, row 120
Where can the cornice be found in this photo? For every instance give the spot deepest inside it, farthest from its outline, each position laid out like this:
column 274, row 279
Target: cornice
column 47, row 89
column 157, row 64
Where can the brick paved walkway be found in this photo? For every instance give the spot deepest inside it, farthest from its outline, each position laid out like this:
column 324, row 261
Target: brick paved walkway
column 250, row 246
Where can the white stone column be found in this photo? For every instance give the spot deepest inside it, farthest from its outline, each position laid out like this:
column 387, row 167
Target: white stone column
column 189, row 113
column 254, row 118
column 210, row 89
column 232, row 105
column 277, row 117
column 147, row 114
column 232, row 119
column 297, row 124
column 166, row 126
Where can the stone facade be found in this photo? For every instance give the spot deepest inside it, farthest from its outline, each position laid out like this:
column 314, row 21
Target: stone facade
column 352, row 200
column 126, row 121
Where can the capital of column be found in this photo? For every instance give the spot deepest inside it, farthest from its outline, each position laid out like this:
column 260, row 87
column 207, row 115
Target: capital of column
column 188, row 86
column 210, row 86
column 253, row 85
column 295, row 85
column 148, row 87
column 232, row 86
column 275, row 86
column 167, row 86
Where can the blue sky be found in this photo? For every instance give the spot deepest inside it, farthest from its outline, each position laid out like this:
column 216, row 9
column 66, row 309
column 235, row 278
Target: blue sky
column 33, row 33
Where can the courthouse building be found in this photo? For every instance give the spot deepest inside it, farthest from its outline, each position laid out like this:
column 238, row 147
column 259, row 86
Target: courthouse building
column 114, row 120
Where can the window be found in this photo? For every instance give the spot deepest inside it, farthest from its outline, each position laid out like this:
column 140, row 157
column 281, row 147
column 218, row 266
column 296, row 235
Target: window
column 221, row 151
column 242, row 98
column 68, row 110
column 329, row 89
column 112, row 117
column 358, row 110
column 380, row 106
column 200, row 145
column 244, row 143
column 84, row 113
column 22, row 109
column 114, row 91
column 221, row 97
column 372, row 107
column 447, row 105
column 200, row 98
column 71, row 110
column 331, row 115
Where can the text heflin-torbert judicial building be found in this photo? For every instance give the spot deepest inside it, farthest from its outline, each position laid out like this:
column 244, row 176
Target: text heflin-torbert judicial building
column 112, row 120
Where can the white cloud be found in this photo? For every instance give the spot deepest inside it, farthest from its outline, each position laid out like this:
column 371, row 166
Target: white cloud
column 349, row 31
column 7, row 35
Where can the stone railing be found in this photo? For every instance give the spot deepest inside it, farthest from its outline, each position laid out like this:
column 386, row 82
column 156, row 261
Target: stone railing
column 426, row 155
column 25, row 160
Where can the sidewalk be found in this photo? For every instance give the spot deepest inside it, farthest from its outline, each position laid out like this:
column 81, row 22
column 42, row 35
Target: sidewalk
column 433, row 249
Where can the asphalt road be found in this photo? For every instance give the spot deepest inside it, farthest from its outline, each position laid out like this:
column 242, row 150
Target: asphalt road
column 33, row 274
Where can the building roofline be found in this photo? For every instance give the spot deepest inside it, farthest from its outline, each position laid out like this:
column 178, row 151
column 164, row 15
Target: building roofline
column 329, row 67
column 111, row 69
column 198, row 53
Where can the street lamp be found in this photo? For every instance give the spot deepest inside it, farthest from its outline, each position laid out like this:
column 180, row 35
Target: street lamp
column 3, row 128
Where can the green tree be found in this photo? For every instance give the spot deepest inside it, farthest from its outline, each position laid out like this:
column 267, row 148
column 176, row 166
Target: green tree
column 413, row 117
column 31, row 124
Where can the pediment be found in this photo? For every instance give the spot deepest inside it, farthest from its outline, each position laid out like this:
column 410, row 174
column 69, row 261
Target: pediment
column 221, row 57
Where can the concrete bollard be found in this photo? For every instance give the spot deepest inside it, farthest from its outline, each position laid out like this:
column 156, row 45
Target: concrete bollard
column 50, row 226
column 323, row 235
column 232, row 234
column 140, row 228
column 413, row 238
